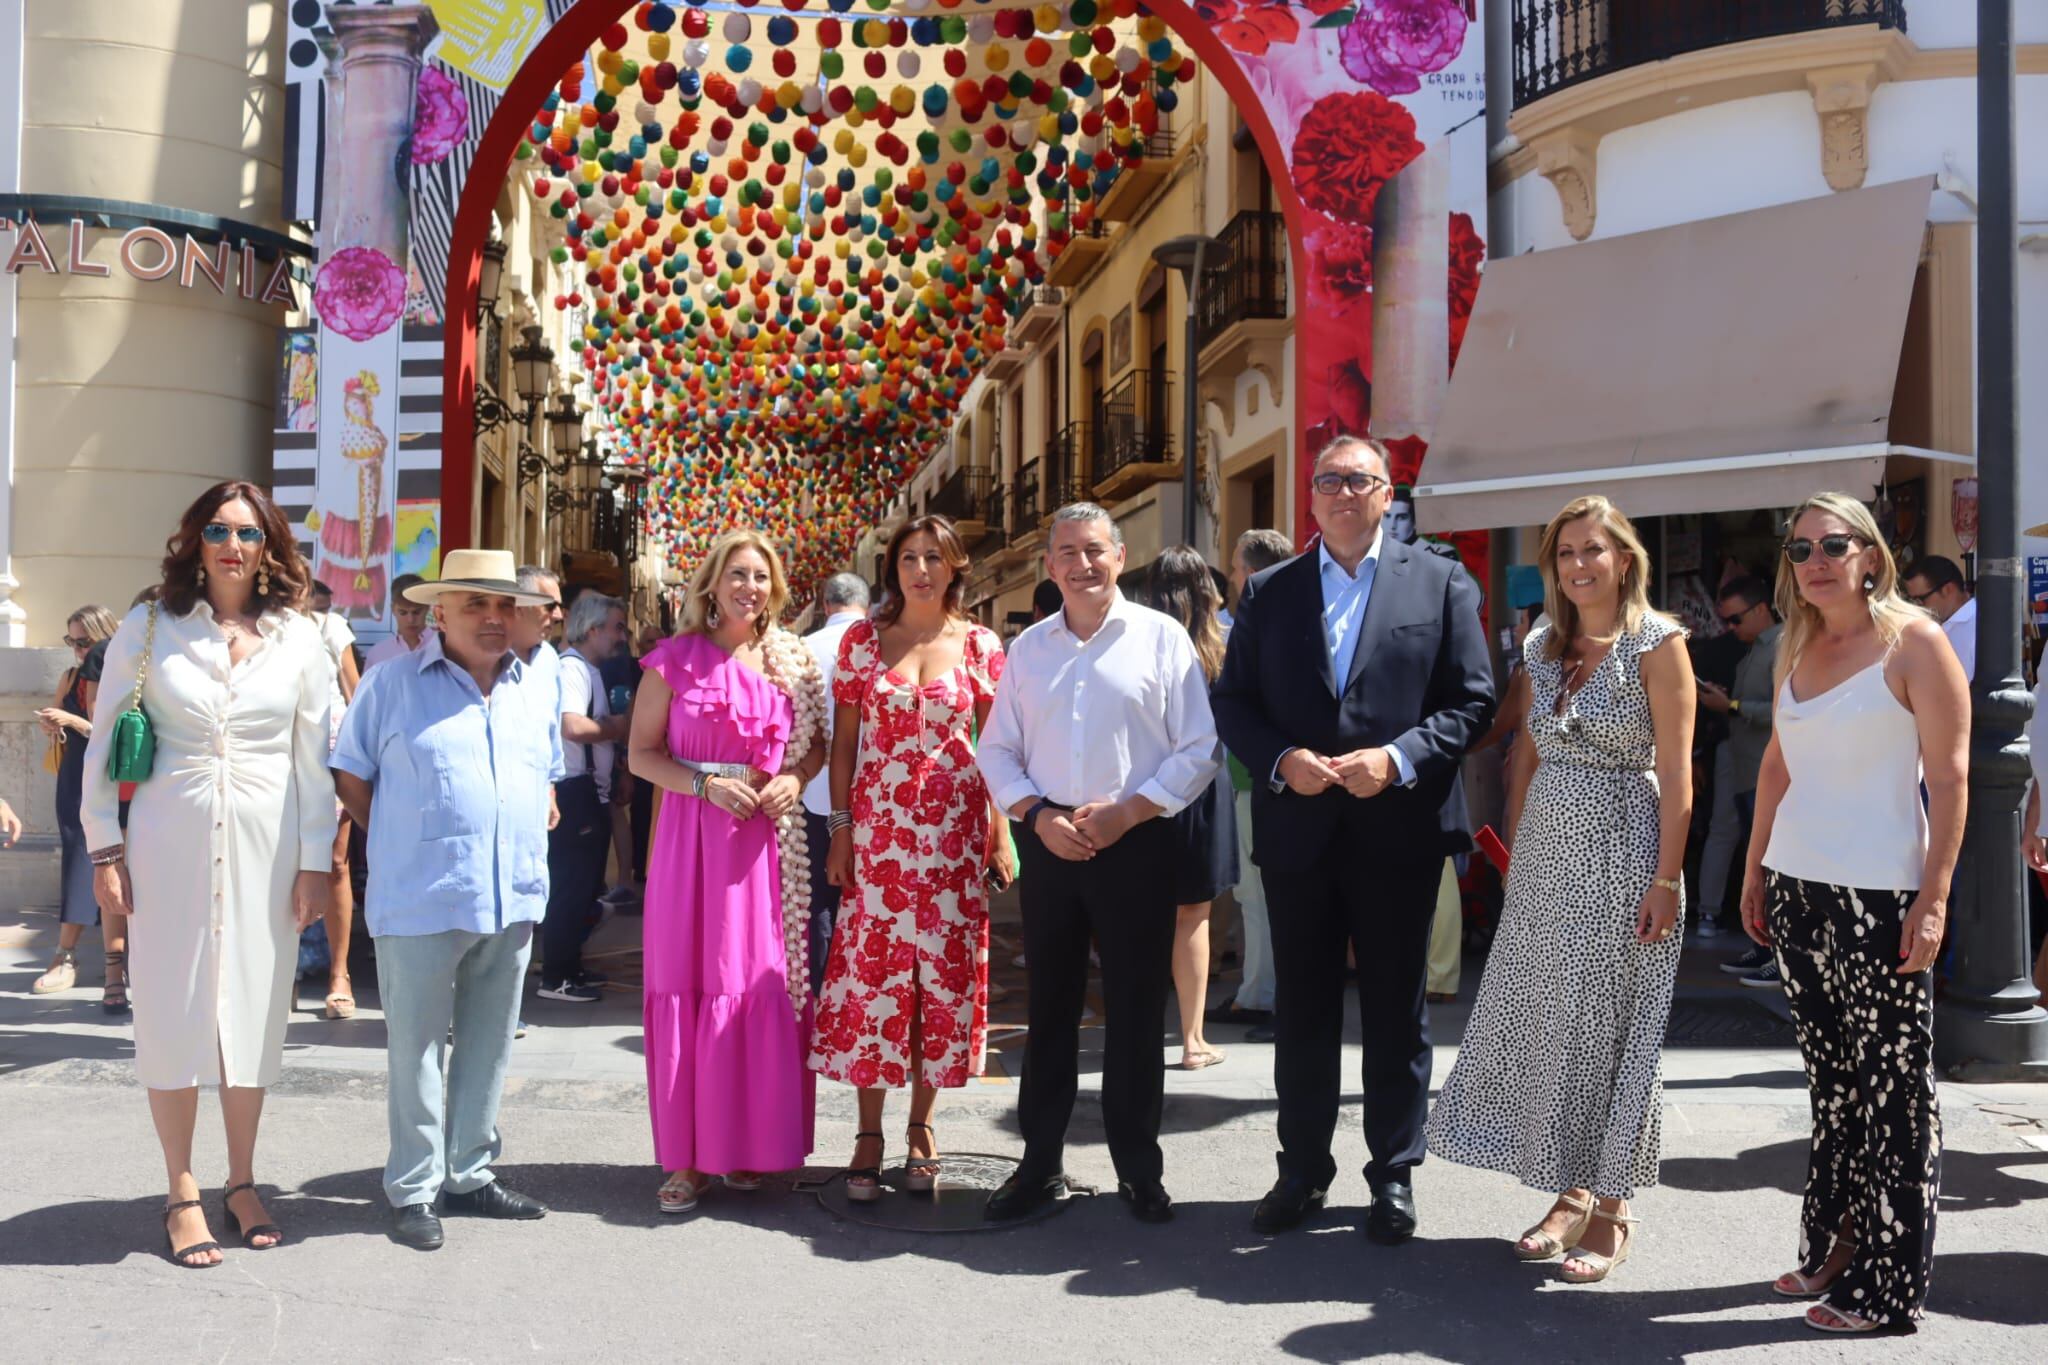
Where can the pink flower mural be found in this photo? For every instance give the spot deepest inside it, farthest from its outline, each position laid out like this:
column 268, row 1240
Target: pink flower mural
column 1346, row 148
column 1392, row 44
column 440, row 120
column 360, row 292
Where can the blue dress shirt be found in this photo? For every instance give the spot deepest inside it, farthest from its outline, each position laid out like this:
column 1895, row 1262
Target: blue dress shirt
column 1345, row 596
column 458, row 833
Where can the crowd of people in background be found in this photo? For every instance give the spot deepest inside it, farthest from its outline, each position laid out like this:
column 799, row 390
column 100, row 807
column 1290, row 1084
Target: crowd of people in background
column 814, row 828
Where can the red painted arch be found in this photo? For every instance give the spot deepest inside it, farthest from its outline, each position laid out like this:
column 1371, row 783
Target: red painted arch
column 567, row 41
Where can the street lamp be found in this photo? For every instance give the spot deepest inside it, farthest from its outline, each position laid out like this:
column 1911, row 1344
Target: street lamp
column 565, row 424
column 533, row 362
column 1193, row 256
column 1991, row 1014
column 489, row 274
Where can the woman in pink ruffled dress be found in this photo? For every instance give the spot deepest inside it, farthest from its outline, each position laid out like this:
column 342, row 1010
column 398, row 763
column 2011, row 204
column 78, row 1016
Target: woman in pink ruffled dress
column 728, row 725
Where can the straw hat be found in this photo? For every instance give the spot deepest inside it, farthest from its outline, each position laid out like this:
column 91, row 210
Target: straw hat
column 490, row 571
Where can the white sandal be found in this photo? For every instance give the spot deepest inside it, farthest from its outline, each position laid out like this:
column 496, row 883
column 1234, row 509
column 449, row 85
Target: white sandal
column 1811, row 1286
column 1844, row 1324
column 1603, row 1266
column 678, row 1194
column 1548, row 1246
column 62, row 976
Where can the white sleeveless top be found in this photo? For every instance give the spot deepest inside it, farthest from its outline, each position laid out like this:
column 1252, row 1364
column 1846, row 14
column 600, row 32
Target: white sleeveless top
column 1852, row 815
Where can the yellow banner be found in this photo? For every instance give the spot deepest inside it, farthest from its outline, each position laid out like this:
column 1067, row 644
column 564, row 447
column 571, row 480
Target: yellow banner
column 488, row 39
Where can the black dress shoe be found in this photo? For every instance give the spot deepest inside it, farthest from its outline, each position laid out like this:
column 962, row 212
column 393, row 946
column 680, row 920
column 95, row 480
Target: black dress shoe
column 1392, row 1220
column 1149, row 1201
column 493, row 1201
column 1022, row 1195
column 415, row 1226
column 1289, row 1201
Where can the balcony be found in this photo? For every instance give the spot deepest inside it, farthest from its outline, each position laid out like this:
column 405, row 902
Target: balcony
column 1039, row 318
column 1005, row 363
column 1136, row 449
column 1560, row 43
column 1026, row 505
column 1243, row 323
column 997, row 518
column 963, row 500
column 1069, row 468
column 1135, row 182
column 1080, row 255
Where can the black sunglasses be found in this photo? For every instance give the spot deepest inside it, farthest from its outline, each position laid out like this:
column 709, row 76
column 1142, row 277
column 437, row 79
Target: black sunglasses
column 1734, row 619
column 1800, row 550
column 78, row 642
column 1329, row 485
column 217, row 533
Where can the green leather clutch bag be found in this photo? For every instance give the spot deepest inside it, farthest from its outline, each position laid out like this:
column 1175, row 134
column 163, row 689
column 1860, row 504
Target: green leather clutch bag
column 131, row 748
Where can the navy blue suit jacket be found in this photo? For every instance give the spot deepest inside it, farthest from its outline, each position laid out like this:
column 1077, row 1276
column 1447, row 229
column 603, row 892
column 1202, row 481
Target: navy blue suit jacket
column 1421, row 681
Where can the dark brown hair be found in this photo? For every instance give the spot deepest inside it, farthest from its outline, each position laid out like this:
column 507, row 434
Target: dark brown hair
column 287, row 572
column 951, row 549
column 1182, row 588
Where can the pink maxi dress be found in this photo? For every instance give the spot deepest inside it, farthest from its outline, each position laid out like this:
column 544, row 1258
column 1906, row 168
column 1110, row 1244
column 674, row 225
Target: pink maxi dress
column 726, row 1080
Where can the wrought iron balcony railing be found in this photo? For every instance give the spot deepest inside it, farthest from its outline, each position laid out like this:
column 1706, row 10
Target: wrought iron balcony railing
column 1026, row 500
column 964, row 495
column 1136, row 423
column 1255, row 284
column 1558, row 43
column 1069, row 466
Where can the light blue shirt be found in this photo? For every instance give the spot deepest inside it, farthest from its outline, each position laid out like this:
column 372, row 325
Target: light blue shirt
column 1345, row 596
column 458, row 833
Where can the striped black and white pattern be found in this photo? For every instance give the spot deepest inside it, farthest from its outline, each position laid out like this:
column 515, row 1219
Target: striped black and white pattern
column 437, row 189
column 295, row 453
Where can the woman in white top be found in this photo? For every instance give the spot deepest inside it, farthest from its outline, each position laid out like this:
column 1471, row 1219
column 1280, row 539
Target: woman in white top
column 1848, row 879
column 230, row 837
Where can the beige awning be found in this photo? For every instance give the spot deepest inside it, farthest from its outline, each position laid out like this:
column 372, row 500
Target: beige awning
column 1731, row 363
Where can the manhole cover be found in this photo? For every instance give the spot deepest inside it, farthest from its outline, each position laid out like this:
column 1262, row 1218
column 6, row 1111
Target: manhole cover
column 1726, row 1023
column 965, row 1182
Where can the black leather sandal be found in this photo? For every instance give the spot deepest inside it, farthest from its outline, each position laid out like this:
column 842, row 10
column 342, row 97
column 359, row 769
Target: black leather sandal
column 178, row 1254
column 864, row 1183
column 114, row 995
column 249, row 1235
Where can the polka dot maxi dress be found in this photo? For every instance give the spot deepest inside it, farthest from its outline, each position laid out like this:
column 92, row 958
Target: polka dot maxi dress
column 1557, row 1082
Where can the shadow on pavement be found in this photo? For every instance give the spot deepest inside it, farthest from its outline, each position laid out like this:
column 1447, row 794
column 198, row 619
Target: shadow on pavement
column 1969, row 1180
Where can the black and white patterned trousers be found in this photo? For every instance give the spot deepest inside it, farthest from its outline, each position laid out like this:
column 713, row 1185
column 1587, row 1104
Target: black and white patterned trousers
column 1867, row 1034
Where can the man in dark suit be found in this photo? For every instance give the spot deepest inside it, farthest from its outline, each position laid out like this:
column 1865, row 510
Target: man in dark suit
column 1357, row 676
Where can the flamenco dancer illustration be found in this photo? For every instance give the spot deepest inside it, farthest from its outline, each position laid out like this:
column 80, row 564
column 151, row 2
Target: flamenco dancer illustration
column 354, row 527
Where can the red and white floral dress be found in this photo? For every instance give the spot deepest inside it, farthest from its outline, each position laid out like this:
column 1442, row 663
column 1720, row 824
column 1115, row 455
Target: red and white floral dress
column 912, row 936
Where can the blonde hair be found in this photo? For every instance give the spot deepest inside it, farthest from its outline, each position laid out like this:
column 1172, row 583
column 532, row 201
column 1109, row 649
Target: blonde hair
column 1635, row 578
column 700, row 604
column 95, row 622
column 1890, row 612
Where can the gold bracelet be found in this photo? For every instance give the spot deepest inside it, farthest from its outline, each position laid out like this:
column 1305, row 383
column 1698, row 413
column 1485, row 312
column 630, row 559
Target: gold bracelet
column 1670, row 884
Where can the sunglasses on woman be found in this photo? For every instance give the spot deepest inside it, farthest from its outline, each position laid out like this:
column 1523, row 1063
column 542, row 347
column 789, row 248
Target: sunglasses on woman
column 78, row 642
column 217, row 533
column 1834, row 547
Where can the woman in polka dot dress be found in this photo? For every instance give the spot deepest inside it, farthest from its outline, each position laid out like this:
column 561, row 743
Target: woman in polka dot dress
column 1557, row 1081
column 1848, row 880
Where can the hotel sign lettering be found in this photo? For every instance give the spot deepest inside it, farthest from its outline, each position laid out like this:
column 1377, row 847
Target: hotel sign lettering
column 209, row 252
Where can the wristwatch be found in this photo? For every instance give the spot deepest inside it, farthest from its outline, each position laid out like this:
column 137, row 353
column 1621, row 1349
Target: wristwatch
column 1032, row 813
column 1670, row 884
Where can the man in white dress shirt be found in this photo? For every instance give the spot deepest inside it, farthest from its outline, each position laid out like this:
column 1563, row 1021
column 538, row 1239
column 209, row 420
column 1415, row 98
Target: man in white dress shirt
column 1934, row 582
column 1100, row 728
column 408, row 619
column 844, row 600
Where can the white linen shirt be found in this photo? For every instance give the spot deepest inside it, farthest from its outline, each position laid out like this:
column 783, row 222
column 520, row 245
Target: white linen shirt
column 582, row 693
column 1961, row 629
column 1125, row 711
column 824, row 643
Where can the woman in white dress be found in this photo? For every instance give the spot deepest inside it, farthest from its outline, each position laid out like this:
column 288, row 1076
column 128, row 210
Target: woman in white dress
column 230, row 838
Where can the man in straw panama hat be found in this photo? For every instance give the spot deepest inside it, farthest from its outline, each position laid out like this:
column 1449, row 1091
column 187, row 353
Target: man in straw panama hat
column 446, row 757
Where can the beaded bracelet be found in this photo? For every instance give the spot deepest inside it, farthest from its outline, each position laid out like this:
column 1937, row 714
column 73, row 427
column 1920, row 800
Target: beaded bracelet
column 107, row 857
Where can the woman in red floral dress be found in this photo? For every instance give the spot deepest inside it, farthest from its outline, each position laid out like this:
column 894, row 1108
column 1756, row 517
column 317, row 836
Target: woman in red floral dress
column 905, row 999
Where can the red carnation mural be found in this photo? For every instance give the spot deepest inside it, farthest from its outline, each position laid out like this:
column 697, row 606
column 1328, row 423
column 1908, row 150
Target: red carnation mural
column 1347, row 147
